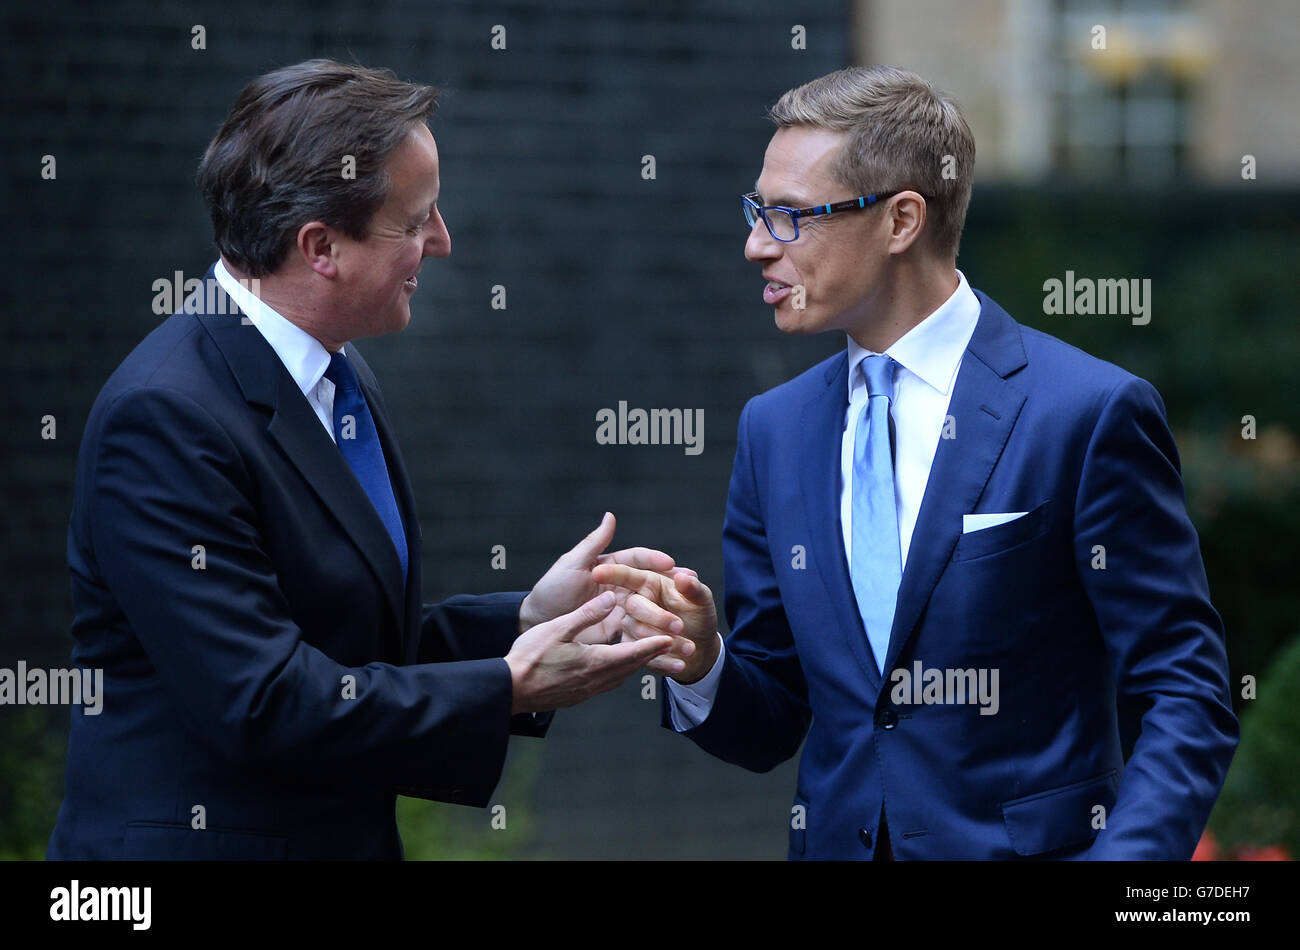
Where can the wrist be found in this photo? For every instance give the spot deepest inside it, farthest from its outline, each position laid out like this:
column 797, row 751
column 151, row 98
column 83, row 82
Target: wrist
column 517, row 673
column 527, row 616
column 699, row 665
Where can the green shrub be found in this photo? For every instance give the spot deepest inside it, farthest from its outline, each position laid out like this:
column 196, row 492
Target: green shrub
column 33, row 746
column 1260, row 803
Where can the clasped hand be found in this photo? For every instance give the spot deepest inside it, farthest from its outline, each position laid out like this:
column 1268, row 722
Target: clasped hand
column 583, row 632
column 649, row 593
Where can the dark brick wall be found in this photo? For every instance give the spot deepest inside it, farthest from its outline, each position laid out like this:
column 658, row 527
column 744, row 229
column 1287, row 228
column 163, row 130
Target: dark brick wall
column 617, row 288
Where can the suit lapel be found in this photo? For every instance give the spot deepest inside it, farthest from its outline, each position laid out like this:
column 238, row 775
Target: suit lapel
column 296, row 428
column 823, row 424
column 985, row 407
column 298, row 431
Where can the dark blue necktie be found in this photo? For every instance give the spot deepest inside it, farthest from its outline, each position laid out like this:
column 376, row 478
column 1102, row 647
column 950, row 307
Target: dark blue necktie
column 354, row 430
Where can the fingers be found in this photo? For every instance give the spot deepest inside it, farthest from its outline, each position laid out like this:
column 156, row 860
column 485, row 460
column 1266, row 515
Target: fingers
column 626, row 576
column 665, row 665
column 568, row 626
column 647, row 559
column 682, row 647
column 647, row 582
column 651, row 615
column 622, row 658
column 643, row 618
column 609, row 630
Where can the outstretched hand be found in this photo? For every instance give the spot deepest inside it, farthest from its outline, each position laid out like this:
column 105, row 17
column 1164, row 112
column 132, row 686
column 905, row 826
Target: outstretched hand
column 551, row 667
column 649, row 597
column 571, row 582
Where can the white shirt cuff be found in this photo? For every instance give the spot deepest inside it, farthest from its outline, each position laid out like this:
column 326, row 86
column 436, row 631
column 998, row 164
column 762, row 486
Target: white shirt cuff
column 688, row 706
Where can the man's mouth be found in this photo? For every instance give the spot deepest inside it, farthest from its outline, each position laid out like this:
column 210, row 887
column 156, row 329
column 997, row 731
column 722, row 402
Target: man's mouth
column 774, row 292
column 413, row 281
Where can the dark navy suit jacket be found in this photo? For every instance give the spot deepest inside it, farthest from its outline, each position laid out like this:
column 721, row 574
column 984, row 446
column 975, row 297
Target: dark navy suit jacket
column 267, row 674
column 1083, row 447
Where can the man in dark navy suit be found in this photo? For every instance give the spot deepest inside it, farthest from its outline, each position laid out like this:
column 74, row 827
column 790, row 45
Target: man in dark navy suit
column 948, row 548
column 243, row 545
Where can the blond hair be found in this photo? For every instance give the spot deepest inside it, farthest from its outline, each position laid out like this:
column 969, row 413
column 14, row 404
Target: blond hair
column 903, row 133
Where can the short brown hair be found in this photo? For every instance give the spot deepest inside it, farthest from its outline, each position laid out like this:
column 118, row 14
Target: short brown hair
column 278, row 160
column 903, row 134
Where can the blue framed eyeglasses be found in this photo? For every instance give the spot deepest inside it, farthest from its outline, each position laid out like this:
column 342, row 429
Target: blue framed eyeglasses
column 783, row 223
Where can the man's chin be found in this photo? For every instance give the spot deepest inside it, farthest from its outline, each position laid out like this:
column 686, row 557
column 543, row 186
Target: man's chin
column 794, row 322
column 394, row 324
column 400, row 321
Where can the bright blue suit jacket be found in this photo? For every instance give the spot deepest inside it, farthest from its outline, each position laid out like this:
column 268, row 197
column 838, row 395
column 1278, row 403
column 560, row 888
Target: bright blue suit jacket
column 280, row 684
column 1083, row 447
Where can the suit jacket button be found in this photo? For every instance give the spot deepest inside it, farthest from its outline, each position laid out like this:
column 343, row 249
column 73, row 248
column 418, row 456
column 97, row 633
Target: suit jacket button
column 865, row 836
column 886, row 718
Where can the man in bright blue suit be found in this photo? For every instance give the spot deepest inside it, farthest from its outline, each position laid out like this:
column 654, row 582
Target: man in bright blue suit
column 243, row 544
column 948, row 549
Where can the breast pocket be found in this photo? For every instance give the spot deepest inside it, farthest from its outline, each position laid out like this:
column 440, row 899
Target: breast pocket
column 1003, row 537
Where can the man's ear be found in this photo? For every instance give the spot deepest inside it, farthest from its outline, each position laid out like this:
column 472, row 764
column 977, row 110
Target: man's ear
column 316, row 244
column 906, row 211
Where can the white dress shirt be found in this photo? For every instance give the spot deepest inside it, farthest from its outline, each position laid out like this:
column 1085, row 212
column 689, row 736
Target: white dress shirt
column 304, row 356
column 929, row 356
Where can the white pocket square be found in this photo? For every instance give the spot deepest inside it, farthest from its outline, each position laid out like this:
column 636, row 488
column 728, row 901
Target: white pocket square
column 971, row 523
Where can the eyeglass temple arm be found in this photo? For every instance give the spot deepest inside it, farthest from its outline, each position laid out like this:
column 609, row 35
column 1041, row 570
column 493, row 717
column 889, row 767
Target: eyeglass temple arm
column 861, row 201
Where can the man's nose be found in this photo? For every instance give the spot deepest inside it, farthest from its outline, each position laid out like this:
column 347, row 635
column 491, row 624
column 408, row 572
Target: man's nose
column 760, row 245
column 439, row 242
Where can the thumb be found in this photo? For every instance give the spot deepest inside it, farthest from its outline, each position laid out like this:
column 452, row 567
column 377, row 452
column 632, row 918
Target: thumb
column 690, row 587
column 568, row 626
column 593, row 544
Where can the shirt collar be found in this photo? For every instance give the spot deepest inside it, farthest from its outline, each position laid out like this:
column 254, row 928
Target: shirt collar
column 933, row 348
column 302, row 354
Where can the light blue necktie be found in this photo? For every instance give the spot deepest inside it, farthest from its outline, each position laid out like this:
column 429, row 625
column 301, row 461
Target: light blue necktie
column 360, row 446
column 877, row 564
